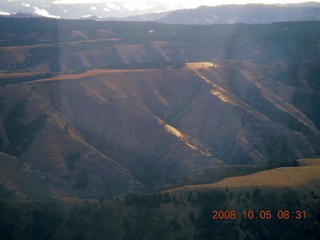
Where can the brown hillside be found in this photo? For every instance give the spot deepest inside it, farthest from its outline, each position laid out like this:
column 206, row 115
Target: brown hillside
column 108, row 131
column 306, row 177
column 100, row 108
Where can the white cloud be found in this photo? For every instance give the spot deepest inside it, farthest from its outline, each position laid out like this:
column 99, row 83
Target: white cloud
column 44, row 13
column 4, row 13
column 77, row 1
column 93, row 8
column 113, row 6
column 26, row 5
column 135, row 5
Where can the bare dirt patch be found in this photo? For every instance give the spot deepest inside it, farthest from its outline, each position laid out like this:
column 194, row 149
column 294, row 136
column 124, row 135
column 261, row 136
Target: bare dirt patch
column 197, row 65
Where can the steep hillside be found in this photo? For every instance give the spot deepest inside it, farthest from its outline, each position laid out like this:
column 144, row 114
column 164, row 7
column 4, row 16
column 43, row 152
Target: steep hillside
column 59, row 158
column 91, row 109
column 105, row 131
column 114, row 114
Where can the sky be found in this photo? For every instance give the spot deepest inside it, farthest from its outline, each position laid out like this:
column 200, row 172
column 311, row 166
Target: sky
column 180, row 3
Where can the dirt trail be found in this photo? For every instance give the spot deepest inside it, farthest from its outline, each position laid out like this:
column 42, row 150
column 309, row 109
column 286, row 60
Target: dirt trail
column 90, row 73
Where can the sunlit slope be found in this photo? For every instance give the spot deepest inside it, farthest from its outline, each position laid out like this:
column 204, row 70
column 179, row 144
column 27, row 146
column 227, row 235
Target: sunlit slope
column 99, row 131
column 307, row 175
column 259, row 106
column 144, row 128
column 209, row 112
column 125, row 114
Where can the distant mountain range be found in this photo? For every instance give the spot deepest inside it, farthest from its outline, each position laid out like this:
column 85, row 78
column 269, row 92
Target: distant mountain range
column 249, row 13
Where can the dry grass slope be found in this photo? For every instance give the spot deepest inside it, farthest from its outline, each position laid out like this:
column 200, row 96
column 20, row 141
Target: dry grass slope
column 307, row 174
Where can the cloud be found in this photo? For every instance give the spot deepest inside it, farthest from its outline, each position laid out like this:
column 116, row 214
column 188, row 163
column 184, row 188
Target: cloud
column 135, row 5
column 44, row 13
column 77, row 1
column 112, row 6
column 4, row 13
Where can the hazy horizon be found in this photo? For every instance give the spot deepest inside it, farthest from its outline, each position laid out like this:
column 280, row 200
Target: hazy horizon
column 116, row 8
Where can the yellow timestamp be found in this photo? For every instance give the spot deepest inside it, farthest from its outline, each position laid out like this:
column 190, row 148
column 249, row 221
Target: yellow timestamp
column 262, row 214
